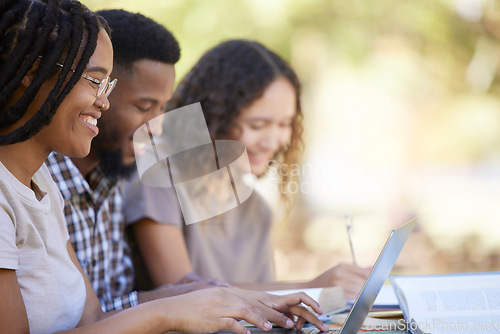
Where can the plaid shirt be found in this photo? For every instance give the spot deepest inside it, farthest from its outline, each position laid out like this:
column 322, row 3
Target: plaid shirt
column 95, row 221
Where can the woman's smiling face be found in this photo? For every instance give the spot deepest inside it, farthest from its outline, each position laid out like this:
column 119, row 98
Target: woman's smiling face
column 265, row 126
column 75, row 124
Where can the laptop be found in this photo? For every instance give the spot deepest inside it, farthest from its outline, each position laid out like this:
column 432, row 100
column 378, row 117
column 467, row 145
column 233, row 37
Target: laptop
column 379, row 273
column 373, row 284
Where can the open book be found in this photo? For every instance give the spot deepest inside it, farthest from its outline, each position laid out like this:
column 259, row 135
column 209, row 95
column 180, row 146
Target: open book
column 452, row 304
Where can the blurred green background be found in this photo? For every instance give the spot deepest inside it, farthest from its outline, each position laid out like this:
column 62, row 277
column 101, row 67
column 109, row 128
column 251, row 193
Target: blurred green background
column 402, row 109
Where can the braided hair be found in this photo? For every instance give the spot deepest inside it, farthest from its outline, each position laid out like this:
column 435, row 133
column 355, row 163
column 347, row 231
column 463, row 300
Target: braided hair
column 229, row 78
column 43, row 32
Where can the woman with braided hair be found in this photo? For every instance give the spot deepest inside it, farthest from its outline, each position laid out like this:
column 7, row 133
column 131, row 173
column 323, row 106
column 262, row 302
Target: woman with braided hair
column 55, row 60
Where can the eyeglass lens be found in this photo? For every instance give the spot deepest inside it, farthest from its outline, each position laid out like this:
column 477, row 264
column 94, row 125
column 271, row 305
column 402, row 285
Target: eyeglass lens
column 106, row 87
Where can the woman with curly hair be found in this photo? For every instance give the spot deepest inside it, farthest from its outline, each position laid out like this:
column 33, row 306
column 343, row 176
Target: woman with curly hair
column 55, row 60
column 250, row 94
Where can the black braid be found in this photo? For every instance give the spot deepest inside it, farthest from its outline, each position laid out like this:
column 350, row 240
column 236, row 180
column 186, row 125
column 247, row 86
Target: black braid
column 56, row 30
column 8, row 19
column 6, row 4
column 12, row 34
column 25, row 42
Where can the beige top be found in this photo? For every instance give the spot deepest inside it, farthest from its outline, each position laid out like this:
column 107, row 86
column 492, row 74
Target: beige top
column 233, row 247
column 33, row 238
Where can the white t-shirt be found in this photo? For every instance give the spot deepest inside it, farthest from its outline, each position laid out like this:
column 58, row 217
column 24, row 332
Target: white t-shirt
column 33, row 237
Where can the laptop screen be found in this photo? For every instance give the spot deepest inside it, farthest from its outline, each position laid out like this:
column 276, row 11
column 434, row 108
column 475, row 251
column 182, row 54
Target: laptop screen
column 377, row 277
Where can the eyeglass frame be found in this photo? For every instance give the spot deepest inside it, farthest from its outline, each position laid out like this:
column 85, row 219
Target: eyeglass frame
column 106, row 90
column 111, row 84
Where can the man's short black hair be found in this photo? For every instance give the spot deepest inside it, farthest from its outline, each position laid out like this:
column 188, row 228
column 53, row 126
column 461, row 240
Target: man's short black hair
column 136, row 37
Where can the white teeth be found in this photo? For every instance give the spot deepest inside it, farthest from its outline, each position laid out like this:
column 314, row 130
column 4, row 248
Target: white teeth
column 89, row 119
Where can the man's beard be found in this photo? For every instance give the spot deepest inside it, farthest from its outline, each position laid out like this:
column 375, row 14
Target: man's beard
column 110, row 160
column 112, row 165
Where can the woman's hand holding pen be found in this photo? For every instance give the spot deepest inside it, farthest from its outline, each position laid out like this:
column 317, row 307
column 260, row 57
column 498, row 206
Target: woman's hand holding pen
column 348, row 276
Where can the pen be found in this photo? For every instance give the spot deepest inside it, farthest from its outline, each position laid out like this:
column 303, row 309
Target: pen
column 348, row 226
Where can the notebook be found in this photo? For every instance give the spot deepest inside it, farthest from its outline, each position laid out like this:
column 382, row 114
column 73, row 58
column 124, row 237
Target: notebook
column 379, row 273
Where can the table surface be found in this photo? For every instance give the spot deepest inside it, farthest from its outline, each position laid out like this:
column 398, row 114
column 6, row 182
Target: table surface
column 277, row 330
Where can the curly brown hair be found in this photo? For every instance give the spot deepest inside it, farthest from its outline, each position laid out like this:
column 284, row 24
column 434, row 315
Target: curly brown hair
column 229, row 78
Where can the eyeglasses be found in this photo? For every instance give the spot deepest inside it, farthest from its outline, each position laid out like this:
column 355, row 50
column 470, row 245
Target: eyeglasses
column 105, row 85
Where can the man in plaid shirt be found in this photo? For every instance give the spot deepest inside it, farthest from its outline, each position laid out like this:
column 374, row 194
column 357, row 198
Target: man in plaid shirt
column 144, row 57
column 92, row 207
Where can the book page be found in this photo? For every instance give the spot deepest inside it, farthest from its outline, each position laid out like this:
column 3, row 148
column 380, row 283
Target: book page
column 472, row 300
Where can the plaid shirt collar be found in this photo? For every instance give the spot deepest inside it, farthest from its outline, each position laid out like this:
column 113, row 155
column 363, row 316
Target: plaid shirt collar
column 71, row 182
